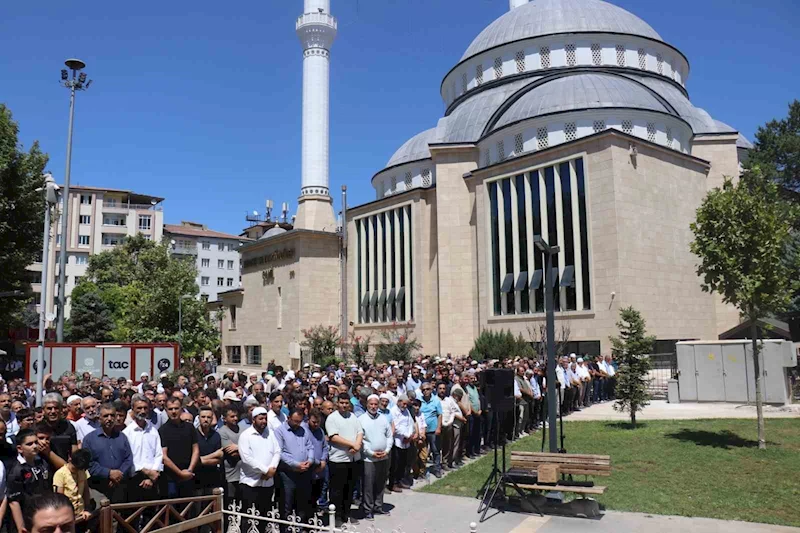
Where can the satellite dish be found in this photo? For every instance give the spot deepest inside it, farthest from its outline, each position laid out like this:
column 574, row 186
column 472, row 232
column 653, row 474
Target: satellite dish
column 50, row 316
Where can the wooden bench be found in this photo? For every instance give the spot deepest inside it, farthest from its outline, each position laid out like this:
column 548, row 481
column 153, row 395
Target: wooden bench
column 569, row 464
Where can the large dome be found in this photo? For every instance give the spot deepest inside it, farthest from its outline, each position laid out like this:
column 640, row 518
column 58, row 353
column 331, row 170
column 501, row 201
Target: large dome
column 548, row 17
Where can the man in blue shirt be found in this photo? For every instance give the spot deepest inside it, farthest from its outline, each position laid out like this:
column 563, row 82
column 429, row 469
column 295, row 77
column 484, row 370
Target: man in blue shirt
column 111, row 457
column 295, row 468
column 431, row 410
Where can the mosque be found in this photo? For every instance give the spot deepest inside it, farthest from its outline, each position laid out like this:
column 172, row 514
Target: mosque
column 567, row 120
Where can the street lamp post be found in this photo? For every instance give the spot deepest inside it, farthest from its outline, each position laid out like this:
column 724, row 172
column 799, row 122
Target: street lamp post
column 77, row 82
column 549, row 252
column 51, row 190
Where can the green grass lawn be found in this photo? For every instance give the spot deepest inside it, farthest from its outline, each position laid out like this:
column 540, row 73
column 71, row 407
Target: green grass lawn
column 708, row 468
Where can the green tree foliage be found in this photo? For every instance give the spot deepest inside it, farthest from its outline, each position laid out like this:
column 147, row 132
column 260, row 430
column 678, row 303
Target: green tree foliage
column 322, row 342
column 777, row 150
column 141, row 284
column 500, row 345
column 90, row 317
column 630, row 350
column 21, row 217
column 743, row 238
column 358, row 347
column 397, row 344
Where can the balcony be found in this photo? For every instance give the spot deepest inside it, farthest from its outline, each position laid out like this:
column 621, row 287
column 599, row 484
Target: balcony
column 119, row 229
column 315, row 19
column 184, row 250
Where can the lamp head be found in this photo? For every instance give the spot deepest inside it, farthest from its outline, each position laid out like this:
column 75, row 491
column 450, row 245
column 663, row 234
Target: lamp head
column 75, row 64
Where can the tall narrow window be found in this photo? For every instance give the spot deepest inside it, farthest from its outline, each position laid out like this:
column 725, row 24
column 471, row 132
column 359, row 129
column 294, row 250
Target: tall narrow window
column 597, row 55
column 464, row 82
column 660, row 64
column 487, row 157
column 426, row 177
column 669, row 137
column 280, row 309
column 620, row 55
column 501, row 151
column 570, row 131
column 408, row 180
column 651, row 132
column 253, row 355
column 544, row 56
column 232, row 310
column 570, row 52
column 478, row 74
column 519, row 145
column 520, row 59
column 394, row 185
column 642, row 59
column 542, row 140
column 498, row 68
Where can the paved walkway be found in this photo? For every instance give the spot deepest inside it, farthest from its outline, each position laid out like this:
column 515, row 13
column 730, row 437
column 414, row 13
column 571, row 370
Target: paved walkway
column 415, row 512
column 661, row 410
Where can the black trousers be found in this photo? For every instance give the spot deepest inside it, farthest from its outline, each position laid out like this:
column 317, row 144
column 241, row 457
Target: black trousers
column 258, row 497
column 343, row 480
column 295, row 493
column 475, row 434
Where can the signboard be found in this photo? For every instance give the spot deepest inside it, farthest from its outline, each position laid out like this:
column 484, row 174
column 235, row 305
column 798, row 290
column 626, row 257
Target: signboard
column 113, row 360
column 286, row 253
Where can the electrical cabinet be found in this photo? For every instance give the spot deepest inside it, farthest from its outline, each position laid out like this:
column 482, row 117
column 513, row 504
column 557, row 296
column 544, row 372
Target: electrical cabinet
column 723, row 371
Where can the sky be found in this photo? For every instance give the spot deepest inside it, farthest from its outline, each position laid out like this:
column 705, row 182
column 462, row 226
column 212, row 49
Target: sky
column 200, row 102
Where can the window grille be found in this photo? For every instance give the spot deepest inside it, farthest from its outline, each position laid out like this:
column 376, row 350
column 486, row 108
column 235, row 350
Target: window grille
column 544, row 56
column 519, row 145
column 651, row 132
column 660, row 64
column 426, row 177
column 498, row 68
column 520, row 61
column 599, row 125
column 478, row 74
column 570, row 131
column 620, row 55
column 408, row 180
column 464, row 82
column 669, row 137
column 487, row 157
column 501, row 150
column 570, row 51
column 597, row 54
column 642, row 59
column 394, row 184
column 627, row 127
column 541, row 137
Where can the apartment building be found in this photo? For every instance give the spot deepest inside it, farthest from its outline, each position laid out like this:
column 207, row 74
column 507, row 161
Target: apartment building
column 99, row 219
column 216, row 255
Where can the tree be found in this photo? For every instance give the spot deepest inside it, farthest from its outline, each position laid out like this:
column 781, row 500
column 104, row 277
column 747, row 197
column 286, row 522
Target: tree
column 142, row 284
column 398, row 344
column 743, row 238
column 500, row 345
column 776, row 151
column 358, row 347
column 538, row 337
column 21, row 217
column 322, row 342
column 90, row 318
column 631, row 349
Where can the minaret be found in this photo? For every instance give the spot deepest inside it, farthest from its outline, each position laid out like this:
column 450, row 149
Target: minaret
column 316, row 29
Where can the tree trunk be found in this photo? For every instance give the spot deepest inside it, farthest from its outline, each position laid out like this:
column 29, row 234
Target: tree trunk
column 762, row 442
column 633, row 417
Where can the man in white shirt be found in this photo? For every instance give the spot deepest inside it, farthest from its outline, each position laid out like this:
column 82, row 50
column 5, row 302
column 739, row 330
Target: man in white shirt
column 260, row 456
column 611, row 381
column 404, row 434
column 146, row 452
column 586, row 382
column 143, row 378
column 90, row 421
column 275, row 417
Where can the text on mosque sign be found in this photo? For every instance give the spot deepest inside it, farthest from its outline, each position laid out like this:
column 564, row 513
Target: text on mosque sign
column 277, row 255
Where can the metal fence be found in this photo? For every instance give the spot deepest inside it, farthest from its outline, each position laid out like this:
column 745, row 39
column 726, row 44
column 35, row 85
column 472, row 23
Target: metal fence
column 663, row 367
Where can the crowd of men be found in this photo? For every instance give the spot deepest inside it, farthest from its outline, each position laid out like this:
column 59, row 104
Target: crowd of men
column 297, row 441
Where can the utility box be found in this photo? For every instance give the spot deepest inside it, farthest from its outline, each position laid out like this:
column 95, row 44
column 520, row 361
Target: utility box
column 722, row 371
column 673, row 391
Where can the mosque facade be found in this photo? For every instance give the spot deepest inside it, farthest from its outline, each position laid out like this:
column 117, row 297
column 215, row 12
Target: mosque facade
column 565, row 120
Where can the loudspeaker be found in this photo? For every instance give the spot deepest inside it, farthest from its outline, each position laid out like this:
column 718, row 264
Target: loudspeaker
column 499, row 388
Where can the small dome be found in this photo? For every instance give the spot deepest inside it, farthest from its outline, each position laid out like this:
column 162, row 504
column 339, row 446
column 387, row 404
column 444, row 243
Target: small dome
column 547, row 17
column 414, row 149
column 580, row 91
column 275, row 230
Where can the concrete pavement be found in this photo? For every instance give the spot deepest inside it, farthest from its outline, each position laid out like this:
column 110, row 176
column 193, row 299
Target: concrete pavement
column 662, row 410
column 416, row 512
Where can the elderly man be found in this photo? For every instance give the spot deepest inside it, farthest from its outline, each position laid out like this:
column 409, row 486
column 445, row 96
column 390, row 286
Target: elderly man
column 247, row 417
column 8, row 415
column 431, row 410
column 112, row 459
column 64, row 439
column 146, row 450
column 260, row 456
column 377, row 445
column 90, row 421
column 404, row 435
